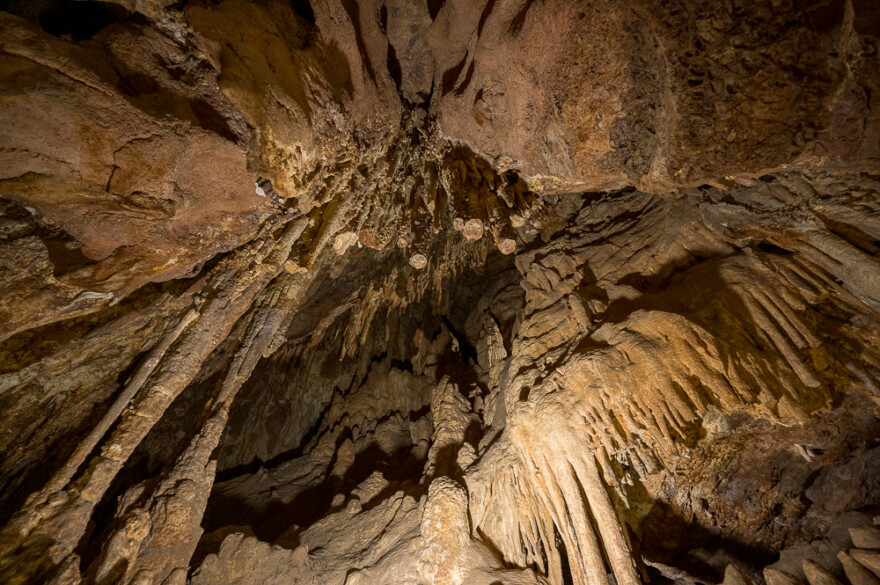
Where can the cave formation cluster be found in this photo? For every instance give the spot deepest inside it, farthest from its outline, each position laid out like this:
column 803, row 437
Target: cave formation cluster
column 439, row 292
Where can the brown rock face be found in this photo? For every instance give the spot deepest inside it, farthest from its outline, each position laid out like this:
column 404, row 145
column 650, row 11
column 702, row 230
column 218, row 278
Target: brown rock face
column 439, row 292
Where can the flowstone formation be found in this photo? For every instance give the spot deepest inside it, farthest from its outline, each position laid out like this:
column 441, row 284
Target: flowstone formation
column 439, row 292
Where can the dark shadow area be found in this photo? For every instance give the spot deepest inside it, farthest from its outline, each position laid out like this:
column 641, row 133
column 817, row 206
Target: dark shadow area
column 467, row 79
column 451, row 75
column 354, row 13
column 563, row 557
column 487, row 10
column 668, row 538
column 80, row 20
column 393, row 65
column 401, row 469
column 304, row 9
column 434, row 7
column 771, row 248
column 27, row 480
column 212, row 120
column 517, row 23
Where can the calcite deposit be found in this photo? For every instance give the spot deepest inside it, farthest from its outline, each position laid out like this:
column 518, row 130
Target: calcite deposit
column 439, row 292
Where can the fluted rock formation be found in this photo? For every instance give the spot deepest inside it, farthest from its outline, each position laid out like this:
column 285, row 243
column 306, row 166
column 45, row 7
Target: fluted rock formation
column 439, row 292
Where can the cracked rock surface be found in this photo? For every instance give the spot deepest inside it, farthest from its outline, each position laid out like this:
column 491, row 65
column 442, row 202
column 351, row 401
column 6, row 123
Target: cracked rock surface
column 439, row 292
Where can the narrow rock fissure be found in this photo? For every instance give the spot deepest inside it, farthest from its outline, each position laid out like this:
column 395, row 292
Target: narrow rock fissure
column 504, row 292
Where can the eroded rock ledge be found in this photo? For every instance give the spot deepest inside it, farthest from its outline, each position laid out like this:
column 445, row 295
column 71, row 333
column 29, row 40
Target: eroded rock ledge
column 449, row 292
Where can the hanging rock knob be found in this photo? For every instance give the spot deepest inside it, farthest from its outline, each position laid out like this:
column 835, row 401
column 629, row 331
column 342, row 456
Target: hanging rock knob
column 418, row 261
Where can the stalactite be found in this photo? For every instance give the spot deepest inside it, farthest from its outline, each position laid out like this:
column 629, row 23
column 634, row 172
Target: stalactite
column 646, row 419
column 572, row 492
column 455, row 293
column 173, row 512
column 54, row 523
column 62, row 477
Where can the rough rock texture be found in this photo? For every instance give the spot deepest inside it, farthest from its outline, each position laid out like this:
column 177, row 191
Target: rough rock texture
column 439, row 292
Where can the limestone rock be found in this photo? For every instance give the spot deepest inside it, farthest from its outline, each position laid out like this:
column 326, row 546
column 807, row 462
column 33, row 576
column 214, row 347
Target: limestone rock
column 444, row 292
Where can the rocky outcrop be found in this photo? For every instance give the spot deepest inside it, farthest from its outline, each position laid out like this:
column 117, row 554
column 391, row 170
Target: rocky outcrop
column 443, row 292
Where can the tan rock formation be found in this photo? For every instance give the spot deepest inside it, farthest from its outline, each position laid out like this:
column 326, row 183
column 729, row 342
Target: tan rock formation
column 446, row 292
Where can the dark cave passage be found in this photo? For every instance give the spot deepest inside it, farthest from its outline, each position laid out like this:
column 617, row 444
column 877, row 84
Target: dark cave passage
column 502, row 292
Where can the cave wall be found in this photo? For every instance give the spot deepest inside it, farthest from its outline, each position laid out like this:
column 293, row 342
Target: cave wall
column 381, row 291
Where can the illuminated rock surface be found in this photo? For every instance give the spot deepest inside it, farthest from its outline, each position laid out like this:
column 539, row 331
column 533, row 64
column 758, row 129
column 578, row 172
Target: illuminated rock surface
column 439, row 292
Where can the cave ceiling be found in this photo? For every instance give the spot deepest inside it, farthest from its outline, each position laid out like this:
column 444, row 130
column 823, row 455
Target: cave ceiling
column 439, row 292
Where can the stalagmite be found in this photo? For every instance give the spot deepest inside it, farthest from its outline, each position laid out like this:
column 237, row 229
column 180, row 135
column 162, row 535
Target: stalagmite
column 450, row 411
column 445, row 530
column 439, row 293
